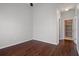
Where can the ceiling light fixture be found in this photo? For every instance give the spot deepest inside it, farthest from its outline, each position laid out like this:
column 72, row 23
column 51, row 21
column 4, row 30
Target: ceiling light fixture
column 66, row 9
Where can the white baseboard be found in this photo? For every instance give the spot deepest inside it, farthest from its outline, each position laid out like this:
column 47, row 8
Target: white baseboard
column 13, row 44
column 55, row 43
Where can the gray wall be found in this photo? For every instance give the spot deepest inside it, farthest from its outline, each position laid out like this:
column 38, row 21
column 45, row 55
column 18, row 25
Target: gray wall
column 15, row 24
column 45, row 23
column 77, row 22
column 20, row 23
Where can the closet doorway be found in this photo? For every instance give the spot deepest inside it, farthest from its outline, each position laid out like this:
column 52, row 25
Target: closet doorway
column 68, row 25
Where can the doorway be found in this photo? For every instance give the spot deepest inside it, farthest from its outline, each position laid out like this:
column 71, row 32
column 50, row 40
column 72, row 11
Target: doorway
column 68, row 25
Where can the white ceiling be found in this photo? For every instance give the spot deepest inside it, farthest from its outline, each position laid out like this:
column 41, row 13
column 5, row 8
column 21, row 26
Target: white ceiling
column 63, row 6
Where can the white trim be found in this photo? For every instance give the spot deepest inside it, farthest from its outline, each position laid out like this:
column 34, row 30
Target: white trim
column 77, row 49
column 55, row 43
column 78, row 52
column 13, row 44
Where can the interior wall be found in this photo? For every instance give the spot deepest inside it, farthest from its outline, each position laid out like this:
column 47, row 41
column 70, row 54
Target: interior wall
column 15, row 24
column 77, row 32
column 65, row 15
column 20, row 23
column 45, row 23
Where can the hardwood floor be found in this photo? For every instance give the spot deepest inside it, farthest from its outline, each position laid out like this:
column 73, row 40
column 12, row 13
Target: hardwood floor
column 38, row 48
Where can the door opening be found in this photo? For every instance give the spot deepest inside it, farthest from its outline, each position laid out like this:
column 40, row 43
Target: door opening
column 68, row 24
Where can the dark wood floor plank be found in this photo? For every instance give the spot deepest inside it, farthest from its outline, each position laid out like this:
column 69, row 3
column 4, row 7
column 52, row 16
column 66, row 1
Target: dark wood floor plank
column 38, row 48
